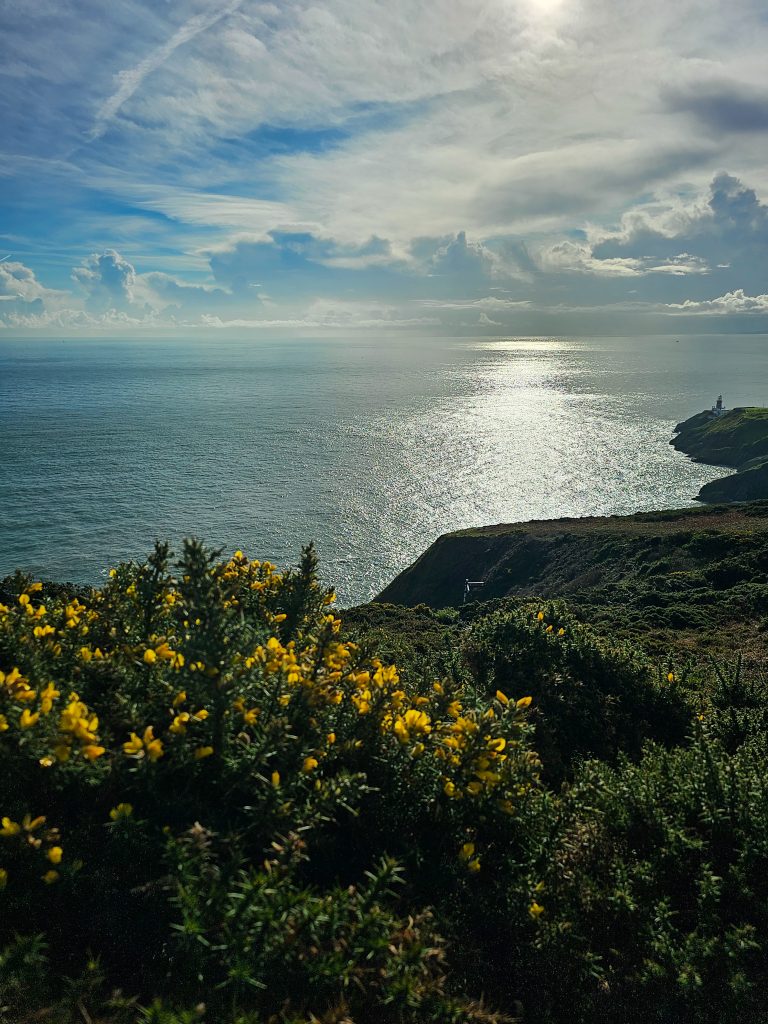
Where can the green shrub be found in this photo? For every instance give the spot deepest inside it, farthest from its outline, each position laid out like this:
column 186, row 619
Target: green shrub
column 593, row 697
column 229, row 804
column 657, row 892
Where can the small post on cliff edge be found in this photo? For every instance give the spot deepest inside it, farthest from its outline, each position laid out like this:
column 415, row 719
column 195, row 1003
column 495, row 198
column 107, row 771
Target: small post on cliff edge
column 468, row 587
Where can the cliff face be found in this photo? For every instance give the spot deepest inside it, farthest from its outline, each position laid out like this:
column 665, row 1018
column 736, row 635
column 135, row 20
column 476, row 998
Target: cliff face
column 735, row 438
column 739, row 438
column 745, row 485
column 658, row 554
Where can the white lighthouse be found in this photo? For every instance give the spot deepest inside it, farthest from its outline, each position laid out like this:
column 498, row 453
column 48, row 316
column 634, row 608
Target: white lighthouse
column 718, row 408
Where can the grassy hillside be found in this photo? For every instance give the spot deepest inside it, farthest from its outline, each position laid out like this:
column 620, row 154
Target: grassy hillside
column 678, row 578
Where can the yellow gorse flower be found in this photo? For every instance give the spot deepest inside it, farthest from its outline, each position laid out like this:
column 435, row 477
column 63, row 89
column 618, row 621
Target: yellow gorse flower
column 154, row 747
column 147, row 745
column 412, row 723
column 179, row 725
column 92, row 751
column 134, row 747
column 121, row 811
column 47, row 697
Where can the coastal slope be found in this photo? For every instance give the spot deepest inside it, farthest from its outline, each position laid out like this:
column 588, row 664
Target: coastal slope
column 674, row 572
column 737, row 438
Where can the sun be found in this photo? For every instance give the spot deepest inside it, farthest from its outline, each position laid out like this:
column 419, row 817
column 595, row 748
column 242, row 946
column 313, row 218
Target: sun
column 544, row 10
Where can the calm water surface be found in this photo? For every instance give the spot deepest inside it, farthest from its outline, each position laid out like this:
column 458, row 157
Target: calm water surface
column 372, row 448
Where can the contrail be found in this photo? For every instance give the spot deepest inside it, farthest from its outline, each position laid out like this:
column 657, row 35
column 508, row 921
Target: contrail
column 6, row 257
column 131, row 78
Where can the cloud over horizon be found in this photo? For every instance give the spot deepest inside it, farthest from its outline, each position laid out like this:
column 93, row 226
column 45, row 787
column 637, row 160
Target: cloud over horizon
column 210, row 164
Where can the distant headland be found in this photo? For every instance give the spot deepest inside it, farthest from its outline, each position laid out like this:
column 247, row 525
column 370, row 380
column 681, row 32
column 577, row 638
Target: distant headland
column 728, row 437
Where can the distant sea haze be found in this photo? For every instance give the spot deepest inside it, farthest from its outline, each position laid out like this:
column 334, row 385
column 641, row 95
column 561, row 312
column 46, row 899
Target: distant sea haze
column 371, row 447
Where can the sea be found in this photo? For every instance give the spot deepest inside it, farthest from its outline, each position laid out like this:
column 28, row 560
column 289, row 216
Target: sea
column 371, row 447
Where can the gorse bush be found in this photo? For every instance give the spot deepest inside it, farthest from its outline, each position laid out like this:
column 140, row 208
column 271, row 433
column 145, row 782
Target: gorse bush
column 594, row 697
column 209, row 788
column 218, row 807
column 659, row 880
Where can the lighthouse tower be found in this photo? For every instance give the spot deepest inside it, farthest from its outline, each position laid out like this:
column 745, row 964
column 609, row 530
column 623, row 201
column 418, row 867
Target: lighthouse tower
column 718, row 409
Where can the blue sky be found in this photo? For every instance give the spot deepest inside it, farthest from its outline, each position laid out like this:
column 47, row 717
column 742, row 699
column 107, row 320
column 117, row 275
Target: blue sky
column 472, row 166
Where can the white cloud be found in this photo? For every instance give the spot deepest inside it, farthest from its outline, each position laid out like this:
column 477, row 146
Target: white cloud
column 579, row 258
column 18, row 281
column 331, row 315
column 731, row 302
column 131, row 79
column 488, row 304
column 108, row 281
column 68, row 319
column 22, row 295
column 401, row 152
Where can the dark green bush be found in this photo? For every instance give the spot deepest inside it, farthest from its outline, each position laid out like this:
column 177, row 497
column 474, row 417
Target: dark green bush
column 593, row 697
column 658, row 890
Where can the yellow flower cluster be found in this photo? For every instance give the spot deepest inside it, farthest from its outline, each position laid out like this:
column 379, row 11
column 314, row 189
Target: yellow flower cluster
column 121, row 811
column 146, row 745
column 161, row 651
column 317, row 669
column 16, row 686
column 52, row 627
column 375, row 691
column 254, row 575
column 73, row 613
column 75, row 723
column 413, row 723
column 468, row 858
column 31, row 834
column 548, row 628
column 317, row 698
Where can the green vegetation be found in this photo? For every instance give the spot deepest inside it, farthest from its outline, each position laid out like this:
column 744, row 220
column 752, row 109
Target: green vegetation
column 220, row 804
column 739, row 438
column 664, row 580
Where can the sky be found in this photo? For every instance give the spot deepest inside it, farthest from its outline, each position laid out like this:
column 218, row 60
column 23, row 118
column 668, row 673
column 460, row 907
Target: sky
column 453, row 166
